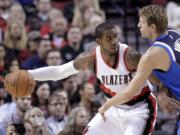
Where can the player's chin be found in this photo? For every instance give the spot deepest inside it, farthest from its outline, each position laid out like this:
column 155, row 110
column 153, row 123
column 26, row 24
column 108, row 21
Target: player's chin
column 114, row 50
column 144, row 35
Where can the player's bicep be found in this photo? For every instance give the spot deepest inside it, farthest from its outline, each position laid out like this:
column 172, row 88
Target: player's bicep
column 84, row 61
column 132, row 58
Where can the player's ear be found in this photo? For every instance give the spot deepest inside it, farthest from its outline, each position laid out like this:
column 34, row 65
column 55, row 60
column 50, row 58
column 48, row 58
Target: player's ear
column 153, row 26
column 98, row 41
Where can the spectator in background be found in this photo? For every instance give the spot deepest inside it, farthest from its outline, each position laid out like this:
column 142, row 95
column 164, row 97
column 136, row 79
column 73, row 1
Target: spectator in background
column 4, row 8
column 4, row 14
column 74, row 46
column 173, row 11
column 38, row 60
column 84, row 10
column 10, row 130
column 34, row 39
column 177, row 22
column 58, row 30
column 87, row 94
column 29, row 128
column 57, row 118
column 36, row 118
column 83, row 22
column 33, row 21
column 16, row 129
column 15, row 36
column 69, row 9
column 54, row 58
column 2, row 94
column 40, row 96
column 13, row 112
column 174, row 15
column 89, row 37
column 71, row 87
column 13, row 65
column 77, row 121
column 16, row 40
column 94, row 21
column 63, row 93
column 43, row 6
column 17, row 13
column 54, row 13
column 3, row 70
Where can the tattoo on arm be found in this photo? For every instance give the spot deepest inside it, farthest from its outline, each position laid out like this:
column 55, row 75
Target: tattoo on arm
column 132, row 58
column 85, row 61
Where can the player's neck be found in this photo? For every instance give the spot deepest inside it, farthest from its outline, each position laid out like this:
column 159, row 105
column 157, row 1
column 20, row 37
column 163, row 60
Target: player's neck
column 107, row 54
column 156, row 35
column 109, row 58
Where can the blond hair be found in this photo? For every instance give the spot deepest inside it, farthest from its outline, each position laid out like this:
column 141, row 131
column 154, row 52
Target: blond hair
column 20, row 43
column 70, row 125
column 155, row 15
column 17, row 13
column 28, row 113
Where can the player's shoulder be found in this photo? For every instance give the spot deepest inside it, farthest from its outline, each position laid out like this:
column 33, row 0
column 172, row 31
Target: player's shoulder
column 87, row 54
column 85, row 60
column 154, row 54
column 132, row 57
column 130, row 51
column 154, row 50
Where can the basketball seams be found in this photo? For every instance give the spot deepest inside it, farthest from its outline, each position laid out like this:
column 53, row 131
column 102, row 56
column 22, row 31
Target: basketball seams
column 27, row 89
column 27, row 83
column 32, row 84
column 17, row 83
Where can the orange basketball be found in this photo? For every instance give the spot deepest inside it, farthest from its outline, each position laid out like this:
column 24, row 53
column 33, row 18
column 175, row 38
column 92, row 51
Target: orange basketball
column 19, row 83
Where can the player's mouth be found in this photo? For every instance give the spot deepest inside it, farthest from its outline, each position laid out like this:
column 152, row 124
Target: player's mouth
column 114, row 47
column 140, row 31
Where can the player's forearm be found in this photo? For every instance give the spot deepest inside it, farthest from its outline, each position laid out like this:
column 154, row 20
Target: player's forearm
column 54, row 72
column 119, row 98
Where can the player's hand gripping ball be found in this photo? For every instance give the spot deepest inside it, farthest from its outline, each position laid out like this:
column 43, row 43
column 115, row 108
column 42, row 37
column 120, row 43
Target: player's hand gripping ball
column 19, row 83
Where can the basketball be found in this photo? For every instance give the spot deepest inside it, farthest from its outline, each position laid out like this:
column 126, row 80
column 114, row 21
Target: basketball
column 19, row 83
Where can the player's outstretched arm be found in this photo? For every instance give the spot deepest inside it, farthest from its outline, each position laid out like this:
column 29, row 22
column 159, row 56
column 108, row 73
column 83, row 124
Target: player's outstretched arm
column 83, row 61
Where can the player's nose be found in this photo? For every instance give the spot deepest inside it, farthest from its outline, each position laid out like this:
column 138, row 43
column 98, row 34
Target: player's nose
column 139, row 25
column 115, row 42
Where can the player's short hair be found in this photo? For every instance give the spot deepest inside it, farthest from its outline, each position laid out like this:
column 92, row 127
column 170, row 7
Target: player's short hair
column 101, row 28
column 155, row 15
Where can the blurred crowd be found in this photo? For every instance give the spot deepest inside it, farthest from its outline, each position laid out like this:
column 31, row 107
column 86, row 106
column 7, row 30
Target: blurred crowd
column 34, row 34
